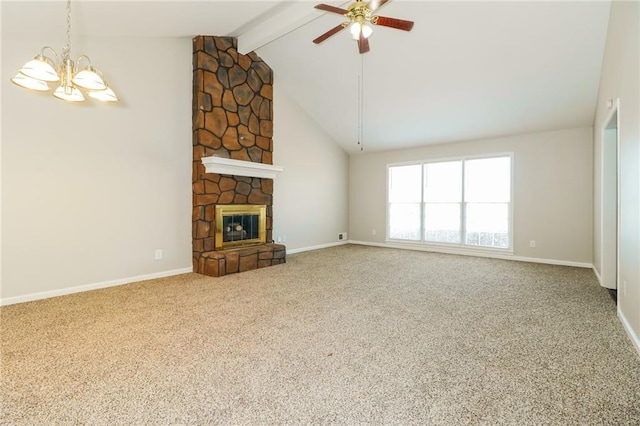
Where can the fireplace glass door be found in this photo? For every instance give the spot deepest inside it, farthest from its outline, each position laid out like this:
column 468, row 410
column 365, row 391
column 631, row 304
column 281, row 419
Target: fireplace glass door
column 240, row 225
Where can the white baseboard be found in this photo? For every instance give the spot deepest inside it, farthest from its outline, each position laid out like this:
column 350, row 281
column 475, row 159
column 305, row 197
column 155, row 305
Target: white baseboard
column 632, row 335
column 493, row 255
column 552, row 262
column 318, row 247
column 78, row 289
column 597, row 274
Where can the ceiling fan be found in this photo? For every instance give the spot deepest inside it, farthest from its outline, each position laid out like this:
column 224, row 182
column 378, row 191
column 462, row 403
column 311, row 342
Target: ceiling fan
column 359, row 15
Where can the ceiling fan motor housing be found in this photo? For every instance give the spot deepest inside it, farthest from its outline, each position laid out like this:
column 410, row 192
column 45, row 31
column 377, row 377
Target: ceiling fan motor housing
column 359, row 12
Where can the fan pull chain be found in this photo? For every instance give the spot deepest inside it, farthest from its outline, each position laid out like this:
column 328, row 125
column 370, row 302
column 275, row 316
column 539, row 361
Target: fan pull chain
column 359, row 112
column 361, row 105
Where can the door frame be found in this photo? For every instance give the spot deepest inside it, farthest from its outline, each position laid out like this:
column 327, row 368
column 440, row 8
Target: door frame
column 607, row 125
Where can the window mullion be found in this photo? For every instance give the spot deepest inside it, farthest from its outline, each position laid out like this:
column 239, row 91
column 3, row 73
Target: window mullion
column 423, row 225
column 463, row 209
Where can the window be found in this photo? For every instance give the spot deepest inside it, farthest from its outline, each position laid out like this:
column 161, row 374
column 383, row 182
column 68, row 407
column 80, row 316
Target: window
column 405, row 197
column 465, row 202
column 443, row 202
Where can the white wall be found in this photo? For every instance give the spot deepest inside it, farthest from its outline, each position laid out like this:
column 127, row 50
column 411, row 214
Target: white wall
column 310, row 202
column 90, row 191
column 620, row 80
column 552, row 200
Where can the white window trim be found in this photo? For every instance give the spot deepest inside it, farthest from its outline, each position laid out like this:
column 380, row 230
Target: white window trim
column 453, row 247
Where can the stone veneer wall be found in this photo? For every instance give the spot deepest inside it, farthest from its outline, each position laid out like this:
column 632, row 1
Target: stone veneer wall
column 232, row 118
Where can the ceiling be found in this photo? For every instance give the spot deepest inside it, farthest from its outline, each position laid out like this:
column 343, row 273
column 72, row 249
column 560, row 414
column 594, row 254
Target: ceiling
column 467, row 70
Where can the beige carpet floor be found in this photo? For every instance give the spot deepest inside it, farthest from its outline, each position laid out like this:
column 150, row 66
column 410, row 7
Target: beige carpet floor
column 346, row 335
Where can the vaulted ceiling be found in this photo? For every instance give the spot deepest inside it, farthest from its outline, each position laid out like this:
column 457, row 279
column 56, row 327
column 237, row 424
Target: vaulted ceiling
column 467, row 70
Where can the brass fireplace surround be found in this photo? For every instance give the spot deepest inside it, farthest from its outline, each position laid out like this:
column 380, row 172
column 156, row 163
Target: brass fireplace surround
column 223, row 210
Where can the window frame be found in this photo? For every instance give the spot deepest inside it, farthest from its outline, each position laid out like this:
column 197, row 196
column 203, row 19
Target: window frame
column 462, row 246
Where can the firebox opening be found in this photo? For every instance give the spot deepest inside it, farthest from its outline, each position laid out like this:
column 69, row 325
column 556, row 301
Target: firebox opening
column 240, row 225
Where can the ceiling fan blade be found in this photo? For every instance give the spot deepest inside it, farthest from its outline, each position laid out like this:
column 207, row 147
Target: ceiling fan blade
column 375, row 5
column 329, row 33
column 363, row 44
column 329, row 8
column 399, row 24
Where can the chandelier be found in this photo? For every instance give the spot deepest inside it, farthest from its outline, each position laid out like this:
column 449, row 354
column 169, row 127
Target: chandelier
column 42, row 70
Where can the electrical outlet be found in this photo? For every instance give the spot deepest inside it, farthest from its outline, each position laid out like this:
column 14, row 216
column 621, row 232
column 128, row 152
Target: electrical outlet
column 373, row 232
column 158, row 254
column 342, row 236
column 532, row 244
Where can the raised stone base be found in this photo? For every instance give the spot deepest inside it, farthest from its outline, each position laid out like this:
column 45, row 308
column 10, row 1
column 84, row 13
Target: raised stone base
column 224, row 262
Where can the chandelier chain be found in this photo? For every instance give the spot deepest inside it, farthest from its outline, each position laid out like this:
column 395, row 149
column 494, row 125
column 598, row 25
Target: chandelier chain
column 66, row 50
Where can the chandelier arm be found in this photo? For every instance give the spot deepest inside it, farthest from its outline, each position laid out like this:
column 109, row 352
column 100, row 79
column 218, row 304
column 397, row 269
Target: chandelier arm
column 91, row 67
column 51, row 49
column 83, row 57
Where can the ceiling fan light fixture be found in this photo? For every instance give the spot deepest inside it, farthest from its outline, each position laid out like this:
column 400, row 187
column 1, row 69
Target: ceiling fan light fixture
column 367, row 30
column 356, row 28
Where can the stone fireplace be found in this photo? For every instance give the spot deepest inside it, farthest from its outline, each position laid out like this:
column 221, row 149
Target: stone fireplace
column 232, row 128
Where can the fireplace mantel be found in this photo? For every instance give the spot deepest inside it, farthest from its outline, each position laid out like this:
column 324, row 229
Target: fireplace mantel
column 227, row 166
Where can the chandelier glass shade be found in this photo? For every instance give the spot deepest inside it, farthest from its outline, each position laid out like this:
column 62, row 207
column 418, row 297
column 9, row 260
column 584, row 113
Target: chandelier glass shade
column 30, row 83
column 41, row 68
column 89, row 77
column 37, row 73
column 105, row 95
